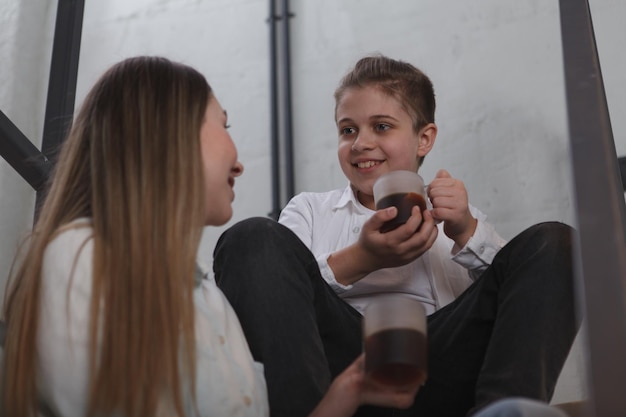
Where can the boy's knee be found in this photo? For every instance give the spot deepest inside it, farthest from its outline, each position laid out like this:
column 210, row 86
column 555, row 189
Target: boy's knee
column 252, row 226
column 259, row 239
column 248, row 233
column 553, row 230
column 553, row 238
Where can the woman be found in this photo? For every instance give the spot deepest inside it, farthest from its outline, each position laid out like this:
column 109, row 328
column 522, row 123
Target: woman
column 106, row 312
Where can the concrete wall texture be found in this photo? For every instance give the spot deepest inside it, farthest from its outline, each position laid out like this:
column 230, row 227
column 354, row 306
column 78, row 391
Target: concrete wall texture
column 496, row 66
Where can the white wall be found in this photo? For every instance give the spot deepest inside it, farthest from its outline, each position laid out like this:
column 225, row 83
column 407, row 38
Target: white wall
column 26, row 31
column 496, row 66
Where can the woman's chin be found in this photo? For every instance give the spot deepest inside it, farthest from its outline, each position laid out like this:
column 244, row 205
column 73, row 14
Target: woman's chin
column 219, row 219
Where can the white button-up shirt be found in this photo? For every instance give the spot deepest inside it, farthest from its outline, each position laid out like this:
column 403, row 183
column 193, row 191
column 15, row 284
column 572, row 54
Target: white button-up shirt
column 330, row 221
column 229, row 382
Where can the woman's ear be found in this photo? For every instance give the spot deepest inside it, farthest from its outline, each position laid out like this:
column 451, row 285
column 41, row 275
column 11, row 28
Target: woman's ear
column 426, row 139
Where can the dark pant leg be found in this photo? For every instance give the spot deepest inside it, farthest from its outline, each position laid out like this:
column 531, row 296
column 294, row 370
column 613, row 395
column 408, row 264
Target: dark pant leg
column 294, row 323
column 509, row 334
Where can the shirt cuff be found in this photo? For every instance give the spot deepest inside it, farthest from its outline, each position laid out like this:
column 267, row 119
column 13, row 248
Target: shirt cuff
column 480, row 249
column 329, row 275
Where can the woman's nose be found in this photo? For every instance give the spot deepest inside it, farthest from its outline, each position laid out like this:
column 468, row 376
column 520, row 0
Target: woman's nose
column 237, row 170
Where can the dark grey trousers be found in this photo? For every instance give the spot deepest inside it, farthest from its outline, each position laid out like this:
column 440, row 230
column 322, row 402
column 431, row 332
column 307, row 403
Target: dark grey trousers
column 507, row 335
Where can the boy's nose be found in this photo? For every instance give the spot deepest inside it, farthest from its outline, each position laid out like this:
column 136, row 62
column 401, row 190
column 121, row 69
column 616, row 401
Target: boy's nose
column 363, row 142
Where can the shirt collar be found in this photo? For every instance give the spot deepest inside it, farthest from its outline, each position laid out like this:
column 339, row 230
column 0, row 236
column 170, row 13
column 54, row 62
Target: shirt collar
column 348, row 198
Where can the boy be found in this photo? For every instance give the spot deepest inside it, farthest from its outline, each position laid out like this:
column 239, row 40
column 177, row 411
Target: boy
column 501, row 316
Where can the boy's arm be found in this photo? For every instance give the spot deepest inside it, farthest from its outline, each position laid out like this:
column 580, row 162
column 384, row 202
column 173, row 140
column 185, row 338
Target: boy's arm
column 349, row 264
column 375, row 250
column 341, row 268
column 475, row 241
column 298, row 216
column 372, row 251
column 478, row 252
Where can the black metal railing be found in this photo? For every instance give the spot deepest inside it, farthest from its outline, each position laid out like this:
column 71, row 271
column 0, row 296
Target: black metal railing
column 600, row 254
column 31, row 163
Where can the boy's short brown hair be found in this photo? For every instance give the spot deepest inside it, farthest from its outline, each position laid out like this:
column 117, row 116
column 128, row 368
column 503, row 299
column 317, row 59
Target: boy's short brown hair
column 410, row 86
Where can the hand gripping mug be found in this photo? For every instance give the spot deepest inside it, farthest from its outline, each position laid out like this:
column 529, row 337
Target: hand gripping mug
column 402, row 189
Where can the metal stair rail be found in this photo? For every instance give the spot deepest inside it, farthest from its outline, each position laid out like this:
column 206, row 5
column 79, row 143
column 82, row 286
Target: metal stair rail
column 31, row 163
column 600, row 209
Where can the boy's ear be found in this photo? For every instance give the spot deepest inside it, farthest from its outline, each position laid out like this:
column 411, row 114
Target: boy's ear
column 426, row 138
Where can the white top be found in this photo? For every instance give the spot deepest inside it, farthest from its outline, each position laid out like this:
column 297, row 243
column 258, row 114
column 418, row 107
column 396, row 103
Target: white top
column 229, row 382
column 330, row 221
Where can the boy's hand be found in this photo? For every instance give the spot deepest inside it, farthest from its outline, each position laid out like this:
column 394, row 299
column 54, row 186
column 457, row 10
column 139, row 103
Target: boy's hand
column 450, row 205
column 399, row 246
column 375, row 250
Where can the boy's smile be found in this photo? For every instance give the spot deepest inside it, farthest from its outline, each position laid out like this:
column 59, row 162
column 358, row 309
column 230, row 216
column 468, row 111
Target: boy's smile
column 376, row 135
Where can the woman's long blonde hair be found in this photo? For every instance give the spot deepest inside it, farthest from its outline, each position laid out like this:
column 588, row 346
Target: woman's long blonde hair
column 132, row 164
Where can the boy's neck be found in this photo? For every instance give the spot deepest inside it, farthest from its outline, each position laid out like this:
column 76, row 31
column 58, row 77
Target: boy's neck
column 365, row 200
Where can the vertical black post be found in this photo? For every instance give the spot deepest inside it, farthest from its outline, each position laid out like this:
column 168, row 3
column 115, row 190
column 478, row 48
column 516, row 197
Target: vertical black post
column 288, row 123
column 274, row 133
column 601, row 211
column 63, row 75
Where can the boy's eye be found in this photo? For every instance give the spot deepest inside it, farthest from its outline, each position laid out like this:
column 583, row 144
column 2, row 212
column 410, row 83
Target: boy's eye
column 382, row 127
column 347, row 130
column 227, row 126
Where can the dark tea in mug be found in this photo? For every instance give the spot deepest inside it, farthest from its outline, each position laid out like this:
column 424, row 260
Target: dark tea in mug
column 402, row 189
column 395, row 341
column 397, row 357
column 404, row 202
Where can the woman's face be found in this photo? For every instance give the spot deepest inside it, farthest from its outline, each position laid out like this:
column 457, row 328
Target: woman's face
column 221, row 166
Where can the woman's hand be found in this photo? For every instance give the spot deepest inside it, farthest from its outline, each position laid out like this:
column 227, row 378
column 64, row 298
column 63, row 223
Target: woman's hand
column 352, row 389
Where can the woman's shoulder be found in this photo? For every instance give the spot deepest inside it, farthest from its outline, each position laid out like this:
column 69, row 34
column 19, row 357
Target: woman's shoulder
column 70, row 235
column 69, row 252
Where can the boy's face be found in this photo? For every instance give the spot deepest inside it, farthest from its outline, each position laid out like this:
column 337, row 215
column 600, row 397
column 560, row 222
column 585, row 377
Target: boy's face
column 376, row 136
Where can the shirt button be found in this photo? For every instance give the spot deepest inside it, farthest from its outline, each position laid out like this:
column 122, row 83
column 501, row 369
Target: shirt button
column 481, row 250
column 356, row 229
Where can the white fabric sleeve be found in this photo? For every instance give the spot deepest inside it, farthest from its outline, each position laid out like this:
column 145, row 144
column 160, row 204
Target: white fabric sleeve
column 228, row 380
column 480, row 249
column 63, row 333
column 298, row 216
column 329, row 275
